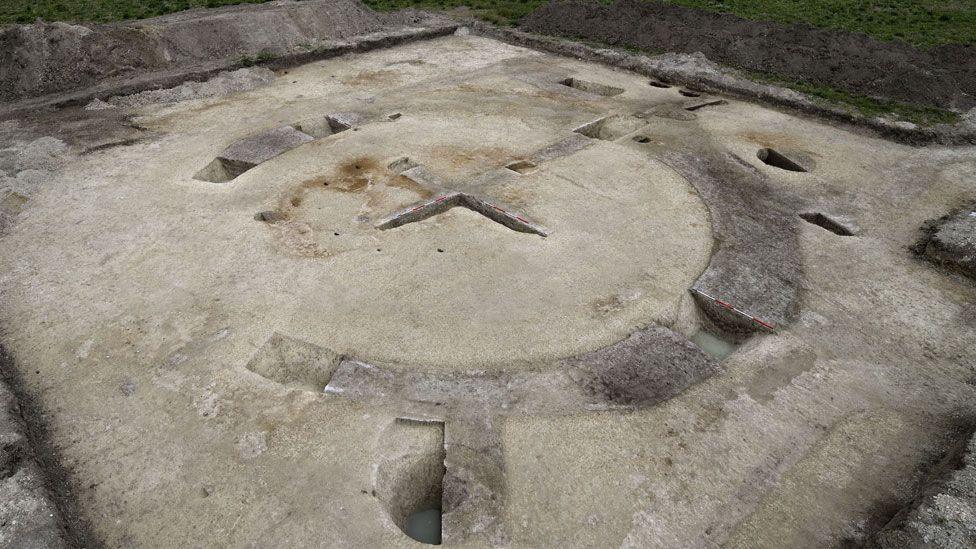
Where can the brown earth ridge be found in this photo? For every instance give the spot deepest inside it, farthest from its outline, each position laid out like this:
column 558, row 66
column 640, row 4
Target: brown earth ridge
column 51, row 58
column 944, row 76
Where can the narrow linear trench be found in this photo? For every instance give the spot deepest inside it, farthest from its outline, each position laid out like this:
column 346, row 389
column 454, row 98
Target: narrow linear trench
column 592, row 87
column 822, row 220
column 771, row 157
column 706, row 104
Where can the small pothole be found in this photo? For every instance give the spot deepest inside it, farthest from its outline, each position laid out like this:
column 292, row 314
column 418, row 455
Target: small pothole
column 592, row 87
column 822, row 220
column 268, row 216
column 771, row 157
column 521, row 166
column 689, row 93
column 659, row 84
column 642, row 139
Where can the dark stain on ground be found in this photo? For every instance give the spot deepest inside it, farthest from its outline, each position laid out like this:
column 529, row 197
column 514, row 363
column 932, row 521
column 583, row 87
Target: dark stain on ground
column 353, row 177
column 360, row 168
column 779, row 373
column 650, row 366
column 76, row 126
column 55, row 468
column 112, row 145
column 357, row 175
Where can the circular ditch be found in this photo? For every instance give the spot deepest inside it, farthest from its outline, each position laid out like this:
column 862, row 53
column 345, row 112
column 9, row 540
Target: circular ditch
column 508, row 296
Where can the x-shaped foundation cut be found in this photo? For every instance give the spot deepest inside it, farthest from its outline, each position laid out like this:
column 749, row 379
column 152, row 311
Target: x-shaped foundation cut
column 449, row 200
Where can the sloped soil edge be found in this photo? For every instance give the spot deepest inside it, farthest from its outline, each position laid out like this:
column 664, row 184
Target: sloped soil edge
column 943, row 77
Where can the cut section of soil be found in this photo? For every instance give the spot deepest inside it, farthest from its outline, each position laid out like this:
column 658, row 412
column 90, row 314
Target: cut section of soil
column 943, row 77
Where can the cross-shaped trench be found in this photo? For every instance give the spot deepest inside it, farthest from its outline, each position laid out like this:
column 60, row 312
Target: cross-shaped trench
column 449, row 199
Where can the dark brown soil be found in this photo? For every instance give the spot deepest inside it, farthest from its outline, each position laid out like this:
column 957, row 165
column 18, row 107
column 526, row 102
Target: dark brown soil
column 943, row 77
column 46, row 58
column 75, row 531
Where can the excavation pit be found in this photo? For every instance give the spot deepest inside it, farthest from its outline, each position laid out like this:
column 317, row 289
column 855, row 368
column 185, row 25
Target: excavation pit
column 610, row 128
column 717, row 347
column 592, row 87
column 410, row 476
column 425, row 526
column 773, row 158
column 522, row 166
column 828, row 222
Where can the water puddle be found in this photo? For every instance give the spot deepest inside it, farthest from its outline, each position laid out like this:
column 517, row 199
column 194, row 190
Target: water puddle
column 425, row 526
column 712, row 345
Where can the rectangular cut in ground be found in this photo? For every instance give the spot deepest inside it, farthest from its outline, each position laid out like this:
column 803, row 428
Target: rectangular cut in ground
column 292, row 361
column 255, row 149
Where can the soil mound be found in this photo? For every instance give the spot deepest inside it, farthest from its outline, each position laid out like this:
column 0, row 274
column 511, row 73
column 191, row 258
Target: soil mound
column 943, row 77
column 46, row 58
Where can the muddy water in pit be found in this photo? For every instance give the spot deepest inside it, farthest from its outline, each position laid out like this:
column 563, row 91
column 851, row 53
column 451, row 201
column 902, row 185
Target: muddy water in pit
column 715, row 346
column 425, row 526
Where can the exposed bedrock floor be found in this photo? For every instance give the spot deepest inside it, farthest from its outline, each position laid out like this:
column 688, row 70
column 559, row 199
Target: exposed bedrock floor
column 319, row 349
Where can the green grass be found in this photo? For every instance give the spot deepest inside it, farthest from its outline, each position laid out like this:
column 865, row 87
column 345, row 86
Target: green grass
column 923, row 23
column 500, row 12
column 262, row 57
column 866, row 106
column 27, row 11
column 872, row 107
